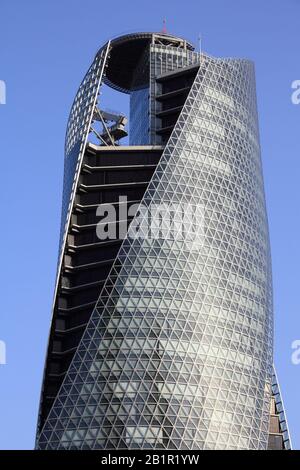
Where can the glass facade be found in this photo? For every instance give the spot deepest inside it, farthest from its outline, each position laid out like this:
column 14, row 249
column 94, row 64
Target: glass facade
column 177, row 353
column 164, row 59
column 77, row 131
column 159, row 59
column 139, row 117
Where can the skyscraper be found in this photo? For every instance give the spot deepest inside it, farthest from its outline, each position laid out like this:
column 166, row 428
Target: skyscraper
column 163, row 341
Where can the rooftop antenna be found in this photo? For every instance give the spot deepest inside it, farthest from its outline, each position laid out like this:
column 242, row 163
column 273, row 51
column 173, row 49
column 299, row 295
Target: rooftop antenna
column 200, row 45
column 164, row 28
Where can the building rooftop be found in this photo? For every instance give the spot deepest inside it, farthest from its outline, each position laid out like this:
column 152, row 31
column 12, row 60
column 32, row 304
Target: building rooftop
column 126, row 52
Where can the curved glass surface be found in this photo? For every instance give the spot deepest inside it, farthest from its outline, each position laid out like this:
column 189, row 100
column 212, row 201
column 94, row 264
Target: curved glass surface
column 178, row 350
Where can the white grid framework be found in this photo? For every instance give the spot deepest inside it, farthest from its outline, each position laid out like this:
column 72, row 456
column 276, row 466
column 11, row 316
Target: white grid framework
column 178, row 351
column 283, row 424
column 78, row 129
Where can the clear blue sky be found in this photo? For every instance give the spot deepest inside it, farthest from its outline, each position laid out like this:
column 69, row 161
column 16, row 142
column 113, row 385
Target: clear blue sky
column 45, row 49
